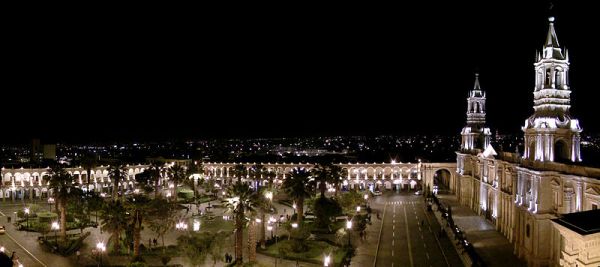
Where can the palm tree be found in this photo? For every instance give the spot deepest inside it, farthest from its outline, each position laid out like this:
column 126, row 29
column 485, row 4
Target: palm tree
column 257, row 171
column 337, row 173
column 322, row 174
column 114, row 221
column 298, row 185
column 137, row 207
column 154, row 171
column 240, row 170
column 264, row 207
column 118, row 173
column 241, row 201
column 61, row 183
column 89, row 162
column 194, row 170
column 177, row 173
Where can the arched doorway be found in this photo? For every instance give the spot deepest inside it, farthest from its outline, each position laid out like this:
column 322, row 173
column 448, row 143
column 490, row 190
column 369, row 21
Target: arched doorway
column 441, row 179
column 532, row 151
column 561, row 151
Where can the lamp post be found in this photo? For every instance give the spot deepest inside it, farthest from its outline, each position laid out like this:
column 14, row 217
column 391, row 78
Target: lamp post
column 100, row 247
column 294, row 206
column 326, row 261
column 55, row 226
column 50, row 202
column 27, row 216
column 348, row 227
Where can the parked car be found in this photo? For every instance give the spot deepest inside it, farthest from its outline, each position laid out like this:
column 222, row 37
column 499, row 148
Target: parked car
column 2, row 229
column 419, row 192
column 309, row 216
column 377, row 193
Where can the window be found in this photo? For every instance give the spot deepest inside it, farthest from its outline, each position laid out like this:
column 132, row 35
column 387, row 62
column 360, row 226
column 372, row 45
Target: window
column 594, row 206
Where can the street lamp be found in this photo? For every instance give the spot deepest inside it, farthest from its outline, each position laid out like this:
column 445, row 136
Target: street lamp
column 55, row 226
column 101, row 247
column 27, row 216
column 326, row 261
column 2, row 249
column 182, row 226
column 50, row 202
column 357, row 208
column 348, row 227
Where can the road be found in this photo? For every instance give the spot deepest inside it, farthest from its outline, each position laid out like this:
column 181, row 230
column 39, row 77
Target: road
column 404, row 241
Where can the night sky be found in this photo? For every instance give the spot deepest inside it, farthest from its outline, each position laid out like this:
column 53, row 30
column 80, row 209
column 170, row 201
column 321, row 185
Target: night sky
column 287, row 71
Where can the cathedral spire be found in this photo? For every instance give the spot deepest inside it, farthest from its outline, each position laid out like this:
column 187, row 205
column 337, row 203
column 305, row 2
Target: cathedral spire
column 551, row 133
column 477, row 86
column 475, row 135
column 551, row 40
column 551, row 47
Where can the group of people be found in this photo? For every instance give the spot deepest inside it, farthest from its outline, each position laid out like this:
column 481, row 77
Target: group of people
column 228, row 258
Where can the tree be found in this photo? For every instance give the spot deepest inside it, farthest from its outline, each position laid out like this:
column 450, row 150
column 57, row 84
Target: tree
column 337, row 173
column 298, row 186
column 61, row 183
column 196, row 171
column 198, row 246
column 95, row 204
column 350, row 200
column 114, row 221
column 161, row 217
column 239, row 171
column 241, row 199
column 137, row 207
column 117, row 173
column 177, row 173
column 322, row 174
column 257, row 171
column 154, row 172
column 89, row 162
column 324, row 209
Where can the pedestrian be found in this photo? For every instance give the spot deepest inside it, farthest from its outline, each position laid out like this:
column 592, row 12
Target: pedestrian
column 155, row 242
column 78, row 254
column 8, row 218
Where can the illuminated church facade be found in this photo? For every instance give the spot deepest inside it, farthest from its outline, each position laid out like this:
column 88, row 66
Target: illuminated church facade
column 529, row 197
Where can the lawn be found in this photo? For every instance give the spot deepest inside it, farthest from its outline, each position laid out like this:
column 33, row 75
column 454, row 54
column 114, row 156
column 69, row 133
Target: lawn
column 216, row 224
column 315, row 253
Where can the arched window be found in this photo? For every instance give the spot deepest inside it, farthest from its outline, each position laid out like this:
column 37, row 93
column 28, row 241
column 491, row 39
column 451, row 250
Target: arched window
column 561, row 151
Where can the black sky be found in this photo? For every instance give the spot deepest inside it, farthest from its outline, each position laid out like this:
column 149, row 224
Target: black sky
column 286, row 70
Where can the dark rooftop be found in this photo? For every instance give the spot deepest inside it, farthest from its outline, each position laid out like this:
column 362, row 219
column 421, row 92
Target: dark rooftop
column 584, row 223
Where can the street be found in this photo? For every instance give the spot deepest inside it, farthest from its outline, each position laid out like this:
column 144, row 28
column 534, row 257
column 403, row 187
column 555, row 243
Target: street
column 404, row 241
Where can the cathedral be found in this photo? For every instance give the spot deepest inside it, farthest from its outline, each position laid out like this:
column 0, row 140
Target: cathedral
column 544, row 201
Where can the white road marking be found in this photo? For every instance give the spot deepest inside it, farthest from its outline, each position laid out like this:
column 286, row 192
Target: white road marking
column 9, row 236
column 408, row 238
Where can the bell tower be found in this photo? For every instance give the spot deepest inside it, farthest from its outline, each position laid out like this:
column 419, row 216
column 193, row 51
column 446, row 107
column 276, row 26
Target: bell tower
column 551, row 134
column 475, row 135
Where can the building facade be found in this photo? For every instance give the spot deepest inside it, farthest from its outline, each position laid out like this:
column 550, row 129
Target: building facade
column 520, row 194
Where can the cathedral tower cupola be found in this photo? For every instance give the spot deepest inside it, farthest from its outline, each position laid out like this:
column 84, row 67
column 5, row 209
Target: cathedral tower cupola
column 475, row 135
column 551, row 134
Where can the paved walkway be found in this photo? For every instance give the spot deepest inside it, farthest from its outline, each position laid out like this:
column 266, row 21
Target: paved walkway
column 493, row 248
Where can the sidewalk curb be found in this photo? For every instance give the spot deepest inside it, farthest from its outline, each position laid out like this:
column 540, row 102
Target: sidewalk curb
column 379, row 238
